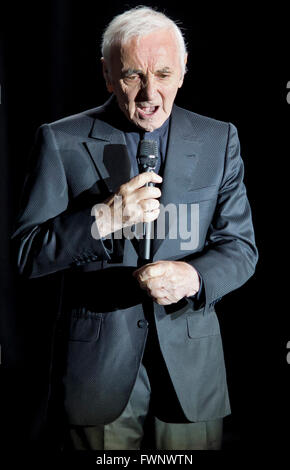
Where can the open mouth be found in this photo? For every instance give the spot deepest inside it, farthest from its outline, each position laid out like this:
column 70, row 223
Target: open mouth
column 147, row 111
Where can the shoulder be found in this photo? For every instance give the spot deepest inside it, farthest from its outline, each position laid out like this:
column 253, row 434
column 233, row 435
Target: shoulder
column 76, row 124
column 201, row 123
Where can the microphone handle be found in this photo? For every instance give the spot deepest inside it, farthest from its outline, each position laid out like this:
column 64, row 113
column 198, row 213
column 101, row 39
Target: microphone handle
column 148, row 226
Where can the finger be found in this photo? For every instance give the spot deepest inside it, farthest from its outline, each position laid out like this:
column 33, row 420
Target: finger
column 165, row 293
column 132, row 213
column 149, row 192
column 148, row 205
column 143, row 178
column 151, row 270
column 155, row 289
column 147, row 267
column 158, row 294
column 163, row 301
column 155, row 284
column 150, row 216
column 139, row 270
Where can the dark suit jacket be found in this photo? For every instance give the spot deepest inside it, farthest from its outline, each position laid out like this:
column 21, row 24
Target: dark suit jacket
column 77, row 162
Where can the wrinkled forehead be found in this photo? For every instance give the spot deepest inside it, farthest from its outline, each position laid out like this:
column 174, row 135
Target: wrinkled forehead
column 159, row 47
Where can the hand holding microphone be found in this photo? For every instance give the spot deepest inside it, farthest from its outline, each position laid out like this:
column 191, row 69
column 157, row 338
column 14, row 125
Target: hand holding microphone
column 135, row 201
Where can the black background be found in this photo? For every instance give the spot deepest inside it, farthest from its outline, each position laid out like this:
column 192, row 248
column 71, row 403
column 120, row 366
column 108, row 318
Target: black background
column 238, row 71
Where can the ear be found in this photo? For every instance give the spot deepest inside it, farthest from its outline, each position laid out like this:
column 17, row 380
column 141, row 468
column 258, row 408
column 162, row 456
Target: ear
column 182, row 78
column 107, row 76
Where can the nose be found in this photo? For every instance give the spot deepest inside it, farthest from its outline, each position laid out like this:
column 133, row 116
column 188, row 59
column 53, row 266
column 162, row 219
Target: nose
column 148, row 90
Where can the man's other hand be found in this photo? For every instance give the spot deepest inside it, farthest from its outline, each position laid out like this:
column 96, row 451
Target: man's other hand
column 168, row 281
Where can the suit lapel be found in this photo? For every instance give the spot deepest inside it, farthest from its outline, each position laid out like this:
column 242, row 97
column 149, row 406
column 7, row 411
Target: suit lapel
column 181, row 161
column 108, row 150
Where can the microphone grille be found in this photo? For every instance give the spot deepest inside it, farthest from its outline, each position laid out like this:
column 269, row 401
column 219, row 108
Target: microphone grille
column 148, row 147
column 148, row 154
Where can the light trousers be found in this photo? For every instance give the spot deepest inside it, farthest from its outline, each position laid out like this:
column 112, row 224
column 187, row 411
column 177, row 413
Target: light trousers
column 127, row 431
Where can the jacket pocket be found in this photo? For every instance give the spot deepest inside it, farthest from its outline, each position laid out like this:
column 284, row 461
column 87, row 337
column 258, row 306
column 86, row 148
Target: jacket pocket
column 85, row 326
column 201, row 194
column 200, row 325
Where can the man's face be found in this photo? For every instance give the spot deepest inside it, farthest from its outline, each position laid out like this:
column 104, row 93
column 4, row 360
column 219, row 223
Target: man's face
column 145, row 75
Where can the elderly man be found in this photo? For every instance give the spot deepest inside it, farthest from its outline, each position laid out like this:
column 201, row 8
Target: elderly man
column 139, row 334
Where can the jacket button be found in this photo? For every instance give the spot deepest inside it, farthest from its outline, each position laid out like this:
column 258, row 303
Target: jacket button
column 142, row 323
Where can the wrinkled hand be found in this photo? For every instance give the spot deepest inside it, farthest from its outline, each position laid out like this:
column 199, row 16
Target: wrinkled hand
column 168, row 281
column 132, row 203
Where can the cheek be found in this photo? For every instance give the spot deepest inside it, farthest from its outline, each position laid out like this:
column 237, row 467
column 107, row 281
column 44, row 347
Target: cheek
column 127, row 94
column 168, row 95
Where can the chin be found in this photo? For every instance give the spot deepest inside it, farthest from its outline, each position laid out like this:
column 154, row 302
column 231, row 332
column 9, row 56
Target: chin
column 148, row 125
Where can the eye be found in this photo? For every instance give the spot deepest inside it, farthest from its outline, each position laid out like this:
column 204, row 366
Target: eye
column 163, row 76
column 132, row 78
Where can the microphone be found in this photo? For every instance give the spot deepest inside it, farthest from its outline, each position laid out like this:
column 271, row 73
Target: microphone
column 147, row 159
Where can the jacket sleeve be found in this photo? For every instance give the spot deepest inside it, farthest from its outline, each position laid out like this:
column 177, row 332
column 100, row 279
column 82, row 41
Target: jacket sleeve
column 230, row 254
column 49, row 236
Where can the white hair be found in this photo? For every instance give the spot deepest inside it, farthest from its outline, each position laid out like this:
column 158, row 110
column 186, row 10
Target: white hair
column 140, row 21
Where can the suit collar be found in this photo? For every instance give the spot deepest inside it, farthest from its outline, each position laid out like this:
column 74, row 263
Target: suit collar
column 106, row 124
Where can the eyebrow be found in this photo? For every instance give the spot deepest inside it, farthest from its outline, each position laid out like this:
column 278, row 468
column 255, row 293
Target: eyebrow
column 164, row 70
column 128, row 72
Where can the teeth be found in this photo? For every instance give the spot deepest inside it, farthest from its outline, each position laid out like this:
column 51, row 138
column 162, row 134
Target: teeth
column 148, row 110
